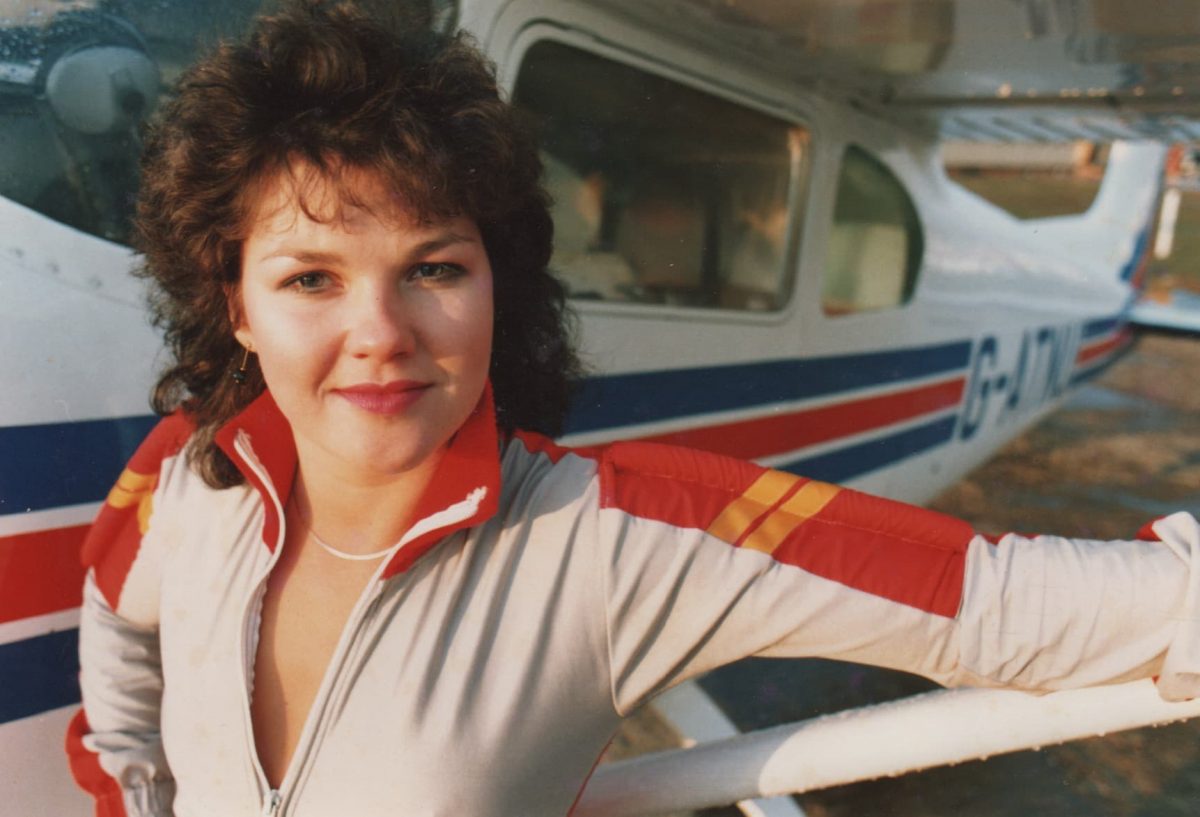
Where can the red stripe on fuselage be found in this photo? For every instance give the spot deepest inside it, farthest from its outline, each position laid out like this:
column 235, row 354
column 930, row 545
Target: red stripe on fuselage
column 1089, row 353
column 41, row 572
column 764, row 436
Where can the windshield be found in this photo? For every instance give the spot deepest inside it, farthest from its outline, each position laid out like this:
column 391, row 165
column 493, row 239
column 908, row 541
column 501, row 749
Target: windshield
column 77, row 79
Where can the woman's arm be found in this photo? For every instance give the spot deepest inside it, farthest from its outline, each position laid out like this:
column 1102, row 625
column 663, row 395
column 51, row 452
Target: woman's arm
column 114, row 742
column 1048, row 612
column 712, row 560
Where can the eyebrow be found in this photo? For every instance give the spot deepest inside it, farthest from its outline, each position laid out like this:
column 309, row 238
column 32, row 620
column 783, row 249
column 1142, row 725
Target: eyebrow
column 439, row 242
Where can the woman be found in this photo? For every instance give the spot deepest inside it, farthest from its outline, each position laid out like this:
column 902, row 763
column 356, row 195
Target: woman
column 339, row 579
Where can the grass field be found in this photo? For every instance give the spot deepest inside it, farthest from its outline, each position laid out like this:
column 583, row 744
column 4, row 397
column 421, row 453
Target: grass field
column 1184, row 263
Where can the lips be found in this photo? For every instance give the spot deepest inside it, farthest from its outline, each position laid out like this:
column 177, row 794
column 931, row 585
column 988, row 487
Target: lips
column 384, row 398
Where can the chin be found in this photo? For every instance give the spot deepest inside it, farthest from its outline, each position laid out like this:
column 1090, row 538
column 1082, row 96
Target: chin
column 390, row 460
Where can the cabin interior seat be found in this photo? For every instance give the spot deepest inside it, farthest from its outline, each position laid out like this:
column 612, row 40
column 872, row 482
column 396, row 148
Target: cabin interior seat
column 661, row 233
column 865, row 268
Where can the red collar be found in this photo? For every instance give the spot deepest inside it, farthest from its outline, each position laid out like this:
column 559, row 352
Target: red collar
column 470, row 462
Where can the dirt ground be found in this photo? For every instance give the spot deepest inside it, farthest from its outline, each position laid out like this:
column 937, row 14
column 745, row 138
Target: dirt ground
column 1123, row 451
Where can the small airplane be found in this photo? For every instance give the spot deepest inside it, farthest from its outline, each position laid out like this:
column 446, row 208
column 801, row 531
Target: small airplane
column 766, row 254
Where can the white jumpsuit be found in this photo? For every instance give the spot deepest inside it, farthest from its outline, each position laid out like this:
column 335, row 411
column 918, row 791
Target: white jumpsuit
column 545, row 594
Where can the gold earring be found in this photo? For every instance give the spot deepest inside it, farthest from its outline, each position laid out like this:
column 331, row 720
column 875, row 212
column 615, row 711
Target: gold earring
column 239, row 375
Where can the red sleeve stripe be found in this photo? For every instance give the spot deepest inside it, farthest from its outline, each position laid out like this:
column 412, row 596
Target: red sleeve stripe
column 899, row 552
column 86, row 769
column 116, row 536
column 686, row 488
column 131, row 488
column 710, row 508
column 135, row 490
column 112, row 543
column 906, row 554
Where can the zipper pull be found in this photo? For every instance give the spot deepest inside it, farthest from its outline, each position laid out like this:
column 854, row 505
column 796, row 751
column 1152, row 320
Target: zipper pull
column 271, row 806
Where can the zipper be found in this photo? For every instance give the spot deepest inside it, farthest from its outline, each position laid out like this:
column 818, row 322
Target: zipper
column 250, row 624
column 332, row 690
column 271, row 806
column 273, row 800
column 274, row 797
column 253, row 611
column 334, row 672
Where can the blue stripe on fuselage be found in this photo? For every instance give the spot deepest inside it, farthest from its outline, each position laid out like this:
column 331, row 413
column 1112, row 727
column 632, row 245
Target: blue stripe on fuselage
column 1139, row 249
column 612, row 401
column 39, row 674
column 856, row 460
column 1100, row 326
column 57, row 464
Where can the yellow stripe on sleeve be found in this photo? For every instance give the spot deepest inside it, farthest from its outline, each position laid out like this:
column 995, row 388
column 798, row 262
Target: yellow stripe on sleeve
column 739, row 514
column 800, row 507
column 145, row 509
column 130, row 488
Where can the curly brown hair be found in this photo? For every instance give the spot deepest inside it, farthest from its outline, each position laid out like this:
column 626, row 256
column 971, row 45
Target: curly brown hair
column 329, row 86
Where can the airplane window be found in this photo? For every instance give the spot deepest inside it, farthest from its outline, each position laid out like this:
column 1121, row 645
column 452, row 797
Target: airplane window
column 875, row 243
column 662, row 194
column 77, row 77
column 1030, row 180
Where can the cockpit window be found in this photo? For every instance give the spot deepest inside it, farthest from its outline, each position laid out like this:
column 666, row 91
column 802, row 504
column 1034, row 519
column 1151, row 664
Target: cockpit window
column 875, row 242
column 78, row 77
column 662, row 194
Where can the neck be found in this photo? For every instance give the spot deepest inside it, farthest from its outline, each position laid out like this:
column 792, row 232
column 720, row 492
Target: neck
column 358, row 513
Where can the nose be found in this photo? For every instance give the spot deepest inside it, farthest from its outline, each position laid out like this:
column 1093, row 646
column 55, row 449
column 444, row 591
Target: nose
column 379, row 325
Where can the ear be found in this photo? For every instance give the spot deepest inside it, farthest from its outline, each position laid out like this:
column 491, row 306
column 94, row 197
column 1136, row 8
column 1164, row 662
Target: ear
column 237, row 316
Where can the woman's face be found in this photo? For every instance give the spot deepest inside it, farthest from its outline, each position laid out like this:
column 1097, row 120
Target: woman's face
column 373, row 330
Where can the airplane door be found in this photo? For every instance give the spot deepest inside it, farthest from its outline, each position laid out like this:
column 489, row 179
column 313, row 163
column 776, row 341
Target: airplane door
column 678, row 210
column 675, row 209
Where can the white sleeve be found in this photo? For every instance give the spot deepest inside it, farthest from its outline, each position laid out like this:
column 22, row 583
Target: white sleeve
column 682, row 603
column 114, row 743
column 121, row 680
column 1049, row 613
column 872, row 581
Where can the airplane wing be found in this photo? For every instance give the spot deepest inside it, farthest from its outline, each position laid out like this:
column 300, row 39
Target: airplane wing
column 1008, row 70
column 1178, row 314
